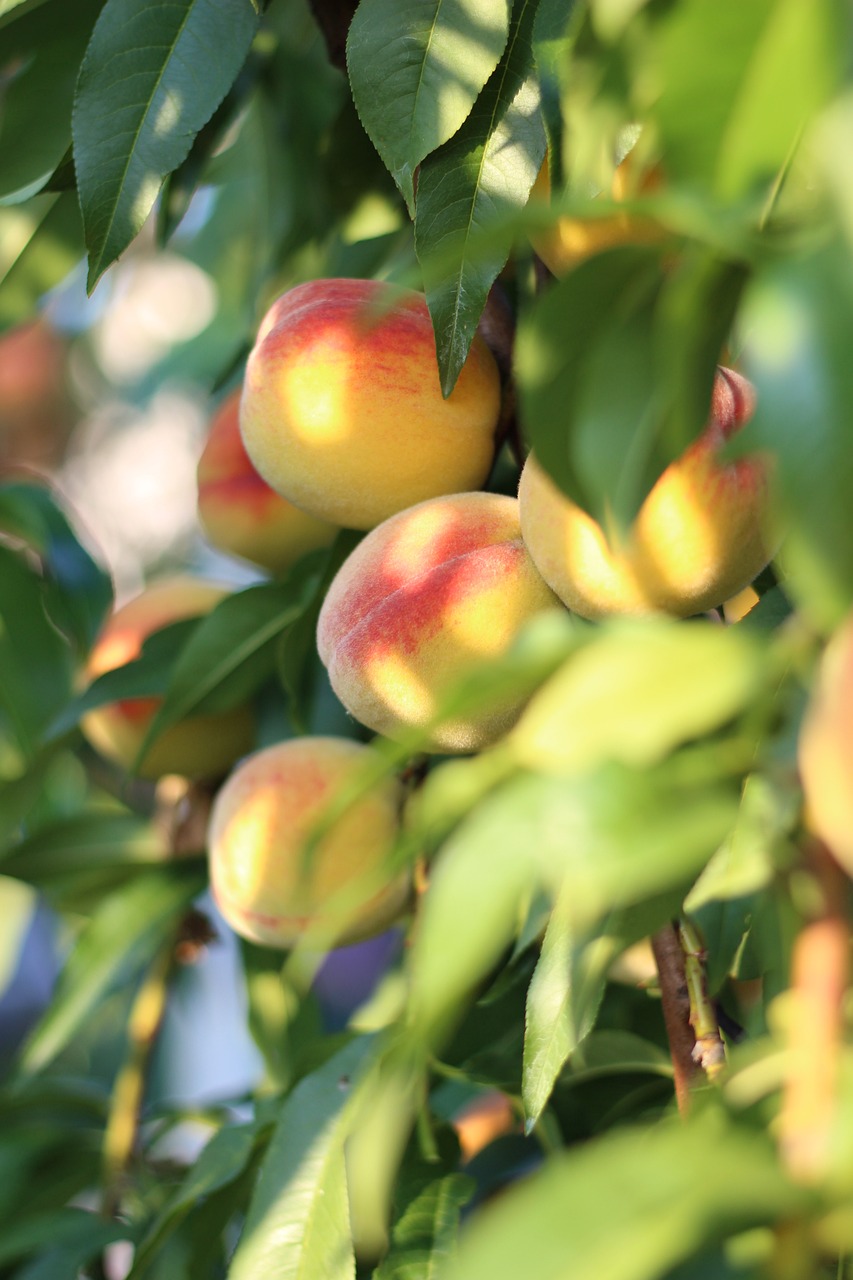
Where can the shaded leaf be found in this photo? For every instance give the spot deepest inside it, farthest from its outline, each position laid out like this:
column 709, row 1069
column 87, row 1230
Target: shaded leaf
column 84, row 842
column 50, row 249
column 140, row 103
column 415, row 68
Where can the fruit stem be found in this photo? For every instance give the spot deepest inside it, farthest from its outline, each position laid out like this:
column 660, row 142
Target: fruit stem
column 709, row 1051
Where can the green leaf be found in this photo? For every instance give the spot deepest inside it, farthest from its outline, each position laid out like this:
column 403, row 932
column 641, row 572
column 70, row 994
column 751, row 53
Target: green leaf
column 72, row 1229
column 677, row 1186
column 798, row 315
column 608, row 1053
column 17, row 907
column 126, row 931
column 595, row 435
column 140, row 103
column 84, row 842
column 35, row 129
column 34, row 658
column 469, row 191
column 82, row 592
column 231, row 652
column 562, row 1002
column 297, row 1225
column 223, row 1160
column 732, row 121
column 416, row 68
column 48, row 236
column 428, row 1205
column 634, row 694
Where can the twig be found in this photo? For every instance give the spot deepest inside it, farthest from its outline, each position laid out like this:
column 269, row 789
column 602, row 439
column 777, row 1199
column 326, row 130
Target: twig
column 709, row 1052
column 675, row 999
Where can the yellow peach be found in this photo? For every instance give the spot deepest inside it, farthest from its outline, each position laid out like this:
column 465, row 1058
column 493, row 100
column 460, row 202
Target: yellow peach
column 238, row 510
column 571, row 239
column 698, row 538
column 424, row 599
column 342, row 411
column 270, row 881
column 197, row 747
column 826, row 748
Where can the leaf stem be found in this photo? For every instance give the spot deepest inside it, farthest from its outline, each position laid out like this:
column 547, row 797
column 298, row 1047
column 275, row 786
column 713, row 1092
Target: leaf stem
column 709, row 1051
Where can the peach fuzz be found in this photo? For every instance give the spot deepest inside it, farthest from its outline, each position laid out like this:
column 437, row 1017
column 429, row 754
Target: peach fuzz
column 197, row 747
column 698, row 539
column 268, row 880
column 342, row 411
column 423, row 600
column 239, row 512
column 825, row 750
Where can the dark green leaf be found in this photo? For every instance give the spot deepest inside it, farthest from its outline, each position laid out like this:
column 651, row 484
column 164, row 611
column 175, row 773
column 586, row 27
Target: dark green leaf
column 140, row 102
column 126, row 931
column 72, row 1229
column 35, row 660
column 424, row 1231
column 81, row 592
column 84, row 842
column 41, row 56
column 416, row 67
column 297, row 1226
column 469, row 191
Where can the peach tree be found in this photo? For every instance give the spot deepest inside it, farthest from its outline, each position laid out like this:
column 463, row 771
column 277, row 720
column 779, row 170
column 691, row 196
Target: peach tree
column 611, row 1032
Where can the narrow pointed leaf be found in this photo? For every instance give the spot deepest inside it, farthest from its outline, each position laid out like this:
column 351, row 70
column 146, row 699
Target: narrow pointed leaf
column 416, row 67
column 469, row 191
column 297, row 1226
column 141, row 99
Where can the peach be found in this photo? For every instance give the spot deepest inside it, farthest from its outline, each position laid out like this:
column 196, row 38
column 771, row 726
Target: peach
column 698, row 539
column 268, row 879
column 238, row 510
column 201, row 745
column 826, row 748
column 570, row 240
column 423, row 600
column 342, row 411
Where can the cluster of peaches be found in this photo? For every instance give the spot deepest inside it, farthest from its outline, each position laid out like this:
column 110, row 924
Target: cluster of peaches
column 340, row 423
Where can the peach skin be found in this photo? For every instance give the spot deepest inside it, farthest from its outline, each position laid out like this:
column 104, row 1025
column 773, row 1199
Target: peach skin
column 239, row 512
column 697, row 540
column 423, row 600
column 268, row 881
column 342, row 411
column 826, row 748
column 197, row 747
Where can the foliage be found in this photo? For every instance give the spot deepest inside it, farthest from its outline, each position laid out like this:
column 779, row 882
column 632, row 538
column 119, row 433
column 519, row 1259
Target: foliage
column 653, row 776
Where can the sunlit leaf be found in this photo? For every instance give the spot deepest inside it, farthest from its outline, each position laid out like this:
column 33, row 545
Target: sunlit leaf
column 416, row 67
column 471, row 188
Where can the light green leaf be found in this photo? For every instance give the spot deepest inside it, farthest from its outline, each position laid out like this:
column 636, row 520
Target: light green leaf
column 48, row 235
column 297, row 1226
column 469, row 191
column 416, row 67
column 639, row 689
column 126, row 931
column 678, row 1187
column 17, row 906
column 562, row 1002
column 424, row 1232
column 141, row 101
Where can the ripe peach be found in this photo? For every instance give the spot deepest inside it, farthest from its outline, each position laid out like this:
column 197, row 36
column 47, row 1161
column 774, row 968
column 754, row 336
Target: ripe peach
column 238, row 510
column 268, row 881
column 197, row 747
column 696, row 541
column 342, row 411
column 423, row 599
column 570, row 240
column 826, row 748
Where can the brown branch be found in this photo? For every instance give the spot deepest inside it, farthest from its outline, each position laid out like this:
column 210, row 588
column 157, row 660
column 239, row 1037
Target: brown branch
column 675, row 999
column 333, row 17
